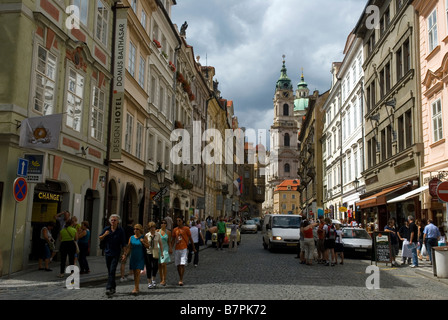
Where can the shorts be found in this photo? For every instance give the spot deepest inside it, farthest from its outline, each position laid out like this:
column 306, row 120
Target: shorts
column 320, row 245
column 329, row 243
column 180, row 257
column 338, row 247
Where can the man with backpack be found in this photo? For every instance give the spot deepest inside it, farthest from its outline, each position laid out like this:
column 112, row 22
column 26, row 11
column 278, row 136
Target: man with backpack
column 329, row 242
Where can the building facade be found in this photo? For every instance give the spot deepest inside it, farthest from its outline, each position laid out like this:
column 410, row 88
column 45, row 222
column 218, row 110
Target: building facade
column 53, row 67
column 432, row 28
column 392, row 114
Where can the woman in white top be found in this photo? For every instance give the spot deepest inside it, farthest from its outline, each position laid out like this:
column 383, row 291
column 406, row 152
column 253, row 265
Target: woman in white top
column 152, row 254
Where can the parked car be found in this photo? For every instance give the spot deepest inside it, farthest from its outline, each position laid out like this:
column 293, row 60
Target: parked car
column 257, row 222
column 227, row 238
column 249, row 226
column 357, row 241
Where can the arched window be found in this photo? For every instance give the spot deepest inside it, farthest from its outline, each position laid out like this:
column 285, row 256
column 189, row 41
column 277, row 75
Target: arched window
column 286, row 109
column 286, row 168
column 286, row 140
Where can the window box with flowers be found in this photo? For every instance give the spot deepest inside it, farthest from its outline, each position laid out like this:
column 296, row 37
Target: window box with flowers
column 185, row 184
column 172, row 66
column 185, row 86
column 157, row 43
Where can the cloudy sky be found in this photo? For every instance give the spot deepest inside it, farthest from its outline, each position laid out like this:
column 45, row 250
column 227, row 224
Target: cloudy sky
column 245, row 40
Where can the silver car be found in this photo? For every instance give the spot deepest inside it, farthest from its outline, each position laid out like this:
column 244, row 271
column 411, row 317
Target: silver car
column 249, row 226
column 356, row 241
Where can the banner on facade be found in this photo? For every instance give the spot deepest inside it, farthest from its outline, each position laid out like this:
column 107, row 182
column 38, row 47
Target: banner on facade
column 119, row 81
column 41, row 132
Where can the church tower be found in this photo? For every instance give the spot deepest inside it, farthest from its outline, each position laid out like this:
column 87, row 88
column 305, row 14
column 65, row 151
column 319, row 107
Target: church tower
column 301, row 100
column 283, row 159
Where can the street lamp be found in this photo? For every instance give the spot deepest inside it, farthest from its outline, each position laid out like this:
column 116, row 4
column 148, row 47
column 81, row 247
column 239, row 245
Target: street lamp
column 356, row 183
column 160, row 173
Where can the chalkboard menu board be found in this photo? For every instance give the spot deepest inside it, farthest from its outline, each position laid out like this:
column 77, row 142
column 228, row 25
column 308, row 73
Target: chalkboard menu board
column 381, row 247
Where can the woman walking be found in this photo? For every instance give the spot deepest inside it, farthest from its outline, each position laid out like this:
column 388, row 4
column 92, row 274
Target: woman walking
column 164, row 256
column 136, row 245
column 83, row 243
column 152, row 254
column 67, row 236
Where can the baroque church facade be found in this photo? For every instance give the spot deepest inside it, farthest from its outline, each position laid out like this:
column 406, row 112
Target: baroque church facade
column 289, row 108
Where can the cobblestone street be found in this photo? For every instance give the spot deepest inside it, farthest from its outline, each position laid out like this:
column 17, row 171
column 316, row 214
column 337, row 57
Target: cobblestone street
column 256, row 274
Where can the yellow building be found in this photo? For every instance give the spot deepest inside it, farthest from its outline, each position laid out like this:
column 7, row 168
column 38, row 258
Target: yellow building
column 287, row 197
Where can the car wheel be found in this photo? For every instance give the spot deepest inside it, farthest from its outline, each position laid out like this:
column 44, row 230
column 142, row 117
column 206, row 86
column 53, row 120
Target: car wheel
column 270, row 247
column 265, row 245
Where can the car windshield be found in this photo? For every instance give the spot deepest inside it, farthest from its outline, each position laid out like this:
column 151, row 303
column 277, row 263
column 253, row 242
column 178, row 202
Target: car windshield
column 355, row 234
column 286, row 222
column 249, row 222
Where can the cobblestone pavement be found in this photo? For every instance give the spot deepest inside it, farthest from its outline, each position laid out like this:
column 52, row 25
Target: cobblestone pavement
column 253, row 273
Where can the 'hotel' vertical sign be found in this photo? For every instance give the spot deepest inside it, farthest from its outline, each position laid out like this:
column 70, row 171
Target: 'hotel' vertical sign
column 119, row 79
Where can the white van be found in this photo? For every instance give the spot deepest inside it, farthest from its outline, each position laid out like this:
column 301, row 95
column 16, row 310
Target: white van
column 281, row 231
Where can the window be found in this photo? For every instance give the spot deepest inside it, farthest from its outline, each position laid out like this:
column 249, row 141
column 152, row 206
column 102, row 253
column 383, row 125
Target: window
column 432, row 30
column 134, row 5
column 102, row 17
column 370, row 97
column 406, row 56
column 408, row 128
column 401, row 136
column 97, row 117
column 131, row 63
column 287, row 168
column 437, row 128
column 44, row 94
column 83, row 6
column 286, row 140
column 128, row 134
column 143, row 19
column 286, row 109
column 75, row 96
column 139, row 141
column 141, row 72
column 399, row 61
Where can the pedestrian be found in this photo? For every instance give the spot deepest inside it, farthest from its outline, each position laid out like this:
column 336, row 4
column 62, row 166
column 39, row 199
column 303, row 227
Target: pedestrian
column 169, row 220
column 164, row 258
column 83, row 243
column 339, row 245
column 329, row 242
column 391, row 229
column 308, row 241
column 431, row 235
column 209, row 224
column 320, row 241
column 114, row 240
column 67, row 236
column 221, row 232
column 403, row 234
column 413, row 241
column 233, row 241
column 136, row 250
column 46, row 246
column 442, row 239
column 195, row 235
column 61, row 219
column 129, row 232
column 155, row 247
column 181, row 237
column 421, row 224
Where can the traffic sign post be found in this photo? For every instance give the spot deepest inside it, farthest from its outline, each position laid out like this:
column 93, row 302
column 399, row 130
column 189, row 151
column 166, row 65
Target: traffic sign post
column 20, row 190
column 22, row 167
column 442, row 191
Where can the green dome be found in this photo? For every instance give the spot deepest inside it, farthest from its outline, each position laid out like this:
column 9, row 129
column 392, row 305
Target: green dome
column 301, row 104
column 284, row 83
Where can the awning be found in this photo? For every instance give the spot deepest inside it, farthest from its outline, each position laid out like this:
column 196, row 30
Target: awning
column 409, row 195
column 380, row 197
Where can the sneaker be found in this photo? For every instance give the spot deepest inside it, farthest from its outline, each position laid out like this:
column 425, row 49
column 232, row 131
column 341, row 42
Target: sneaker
column 154, row 285
column 413, row 266
column 123, row 279
column 150, row 285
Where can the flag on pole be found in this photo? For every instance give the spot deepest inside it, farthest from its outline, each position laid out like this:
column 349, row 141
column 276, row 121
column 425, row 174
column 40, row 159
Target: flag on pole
column 239, row 185
column 41, row 132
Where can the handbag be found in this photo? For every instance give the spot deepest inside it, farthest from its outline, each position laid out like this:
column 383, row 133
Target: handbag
column 424, row 251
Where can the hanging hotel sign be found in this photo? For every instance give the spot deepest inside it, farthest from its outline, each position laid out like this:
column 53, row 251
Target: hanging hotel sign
column 35, row 167
column 119, row 80
column 433, row 183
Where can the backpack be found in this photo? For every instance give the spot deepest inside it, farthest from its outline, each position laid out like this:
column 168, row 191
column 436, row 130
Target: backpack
column 331, row 232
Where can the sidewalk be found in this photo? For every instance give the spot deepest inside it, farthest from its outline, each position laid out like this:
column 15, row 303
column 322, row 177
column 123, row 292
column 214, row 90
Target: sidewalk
column 32, row 277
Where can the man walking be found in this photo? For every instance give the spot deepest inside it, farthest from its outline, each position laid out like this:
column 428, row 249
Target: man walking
column 221, row 232
column 413, row 239
column 431, row 235
column 180, row 238
column 115, row 241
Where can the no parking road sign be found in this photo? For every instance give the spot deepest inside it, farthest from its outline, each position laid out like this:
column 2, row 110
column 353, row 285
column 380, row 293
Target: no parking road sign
column 442, row 191
column 20, row 189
